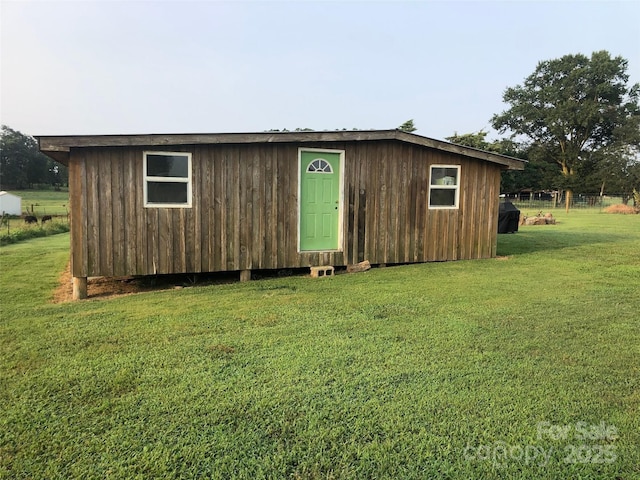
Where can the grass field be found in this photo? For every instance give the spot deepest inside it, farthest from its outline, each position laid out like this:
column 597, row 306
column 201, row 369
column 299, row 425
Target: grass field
column 520, row 367
column 44, row 202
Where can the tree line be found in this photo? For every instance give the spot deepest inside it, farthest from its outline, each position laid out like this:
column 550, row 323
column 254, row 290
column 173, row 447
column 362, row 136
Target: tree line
column 23, row 166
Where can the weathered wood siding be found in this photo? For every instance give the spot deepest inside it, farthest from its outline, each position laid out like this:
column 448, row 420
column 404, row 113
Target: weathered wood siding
column 244, row 213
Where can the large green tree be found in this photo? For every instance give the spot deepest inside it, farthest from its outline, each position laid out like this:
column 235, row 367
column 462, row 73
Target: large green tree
column 22, row 165
column 573, row 109
column 536, row 174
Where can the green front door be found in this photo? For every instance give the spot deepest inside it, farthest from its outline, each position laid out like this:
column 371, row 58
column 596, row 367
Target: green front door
column 319, row 200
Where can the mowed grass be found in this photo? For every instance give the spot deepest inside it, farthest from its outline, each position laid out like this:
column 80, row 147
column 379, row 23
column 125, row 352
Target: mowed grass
column 445, row 370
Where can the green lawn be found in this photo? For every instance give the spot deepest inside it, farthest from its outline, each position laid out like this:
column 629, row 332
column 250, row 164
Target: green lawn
column 524, row 367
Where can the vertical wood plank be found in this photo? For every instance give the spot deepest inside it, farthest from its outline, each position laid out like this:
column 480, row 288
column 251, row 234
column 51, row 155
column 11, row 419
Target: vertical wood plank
column 421, row 177
column 194, row 218
column 408, row 202
column 412, row 211
column 245, row 207
column 472, row 216
column 131, row 214
column 222, row 198
column 394, row 194
column 462, row 215
column 493, row 226
column 273, row 216
column 281, row 201
column 145, row 257
column 181, row 233
column 430, row 215
column 373, row 202
column 118, row 221
column 78, row 215
column 291, row 155
column 234, row 224
column 153, row 240
column 363, row 207
column 352, row 179
column 94, row 248
column 106, row 219
column 481, row 219
column 201, row 230
column 256, row 203
column 164, row 247
column 383, row 209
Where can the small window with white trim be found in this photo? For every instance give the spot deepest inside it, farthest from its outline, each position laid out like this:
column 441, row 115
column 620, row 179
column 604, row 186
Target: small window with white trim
column 167, row 179
column 444, row 186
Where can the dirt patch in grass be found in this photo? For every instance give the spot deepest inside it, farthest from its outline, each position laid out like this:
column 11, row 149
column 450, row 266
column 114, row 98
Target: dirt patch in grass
column 103, row 287
column 64, row 290
column 624, row 209
column 106, row 287
column 221, row 351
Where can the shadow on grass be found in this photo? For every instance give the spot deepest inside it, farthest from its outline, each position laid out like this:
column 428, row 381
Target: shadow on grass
column 546, row 238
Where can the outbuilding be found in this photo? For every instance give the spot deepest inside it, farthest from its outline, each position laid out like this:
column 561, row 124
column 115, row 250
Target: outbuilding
column 190, row 203
column 10, row 204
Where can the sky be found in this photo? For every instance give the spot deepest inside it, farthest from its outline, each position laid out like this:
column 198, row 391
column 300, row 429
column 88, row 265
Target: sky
column 133, row 67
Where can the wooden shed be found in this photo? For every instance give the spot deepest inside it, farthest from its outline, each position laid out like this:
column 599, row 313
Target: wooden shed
column 189, row 203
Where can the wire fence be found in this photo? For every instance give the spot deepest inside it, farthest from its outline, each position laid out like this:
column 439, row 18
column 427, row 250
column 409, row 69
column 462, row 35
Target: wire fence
column 550, row 201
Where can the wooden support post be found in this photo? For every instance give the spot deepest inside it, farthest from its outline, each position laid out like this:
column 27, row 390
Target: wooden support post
column 245, row 275
column 79, row 288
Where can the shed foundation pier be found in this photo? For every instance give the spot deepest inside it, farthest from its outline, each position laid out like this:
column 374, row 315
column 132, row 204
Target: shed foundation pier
column 79, row 288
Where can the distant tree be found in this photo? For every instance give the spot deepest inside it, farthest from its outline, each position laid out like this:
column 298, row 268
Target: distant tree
column 474, row 140
column 615, row 172
column 14, row 155
column 511, row 181
column 573, row 107
column 408, row 126
column 22, row 165
column 57, row 174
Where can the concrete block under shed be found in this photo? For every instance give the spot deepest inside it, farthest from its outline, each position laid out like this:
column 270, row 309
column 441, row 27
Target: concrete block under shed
column 322, row 271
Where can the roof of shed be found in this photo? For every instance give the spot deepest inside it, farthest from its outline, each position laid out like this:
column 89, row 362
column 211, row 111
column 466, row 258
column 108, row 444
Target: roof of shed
column 59, row 146
column 3, row 193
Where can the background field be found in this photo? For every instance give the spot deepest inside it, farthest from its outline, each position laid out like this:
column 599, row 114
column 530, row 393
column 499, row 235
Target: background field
column 38, row 203
column 441, row 370
column 44, row 202
column 531, row 206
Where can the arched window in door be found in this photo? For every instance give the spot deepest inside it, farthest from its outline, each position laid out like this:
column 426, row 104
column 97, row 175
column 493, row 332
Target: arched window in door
column 319, row 165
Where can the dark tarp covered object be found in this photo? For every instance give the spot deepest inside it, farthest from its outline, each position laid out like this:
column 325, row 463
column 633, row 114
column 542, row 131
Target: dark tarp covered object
column 508, row 217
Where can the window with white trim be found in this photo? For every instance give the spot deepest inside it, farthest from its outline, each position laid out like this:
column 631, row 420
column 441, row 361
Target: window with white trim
column 444, row 186
column 167, row 179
